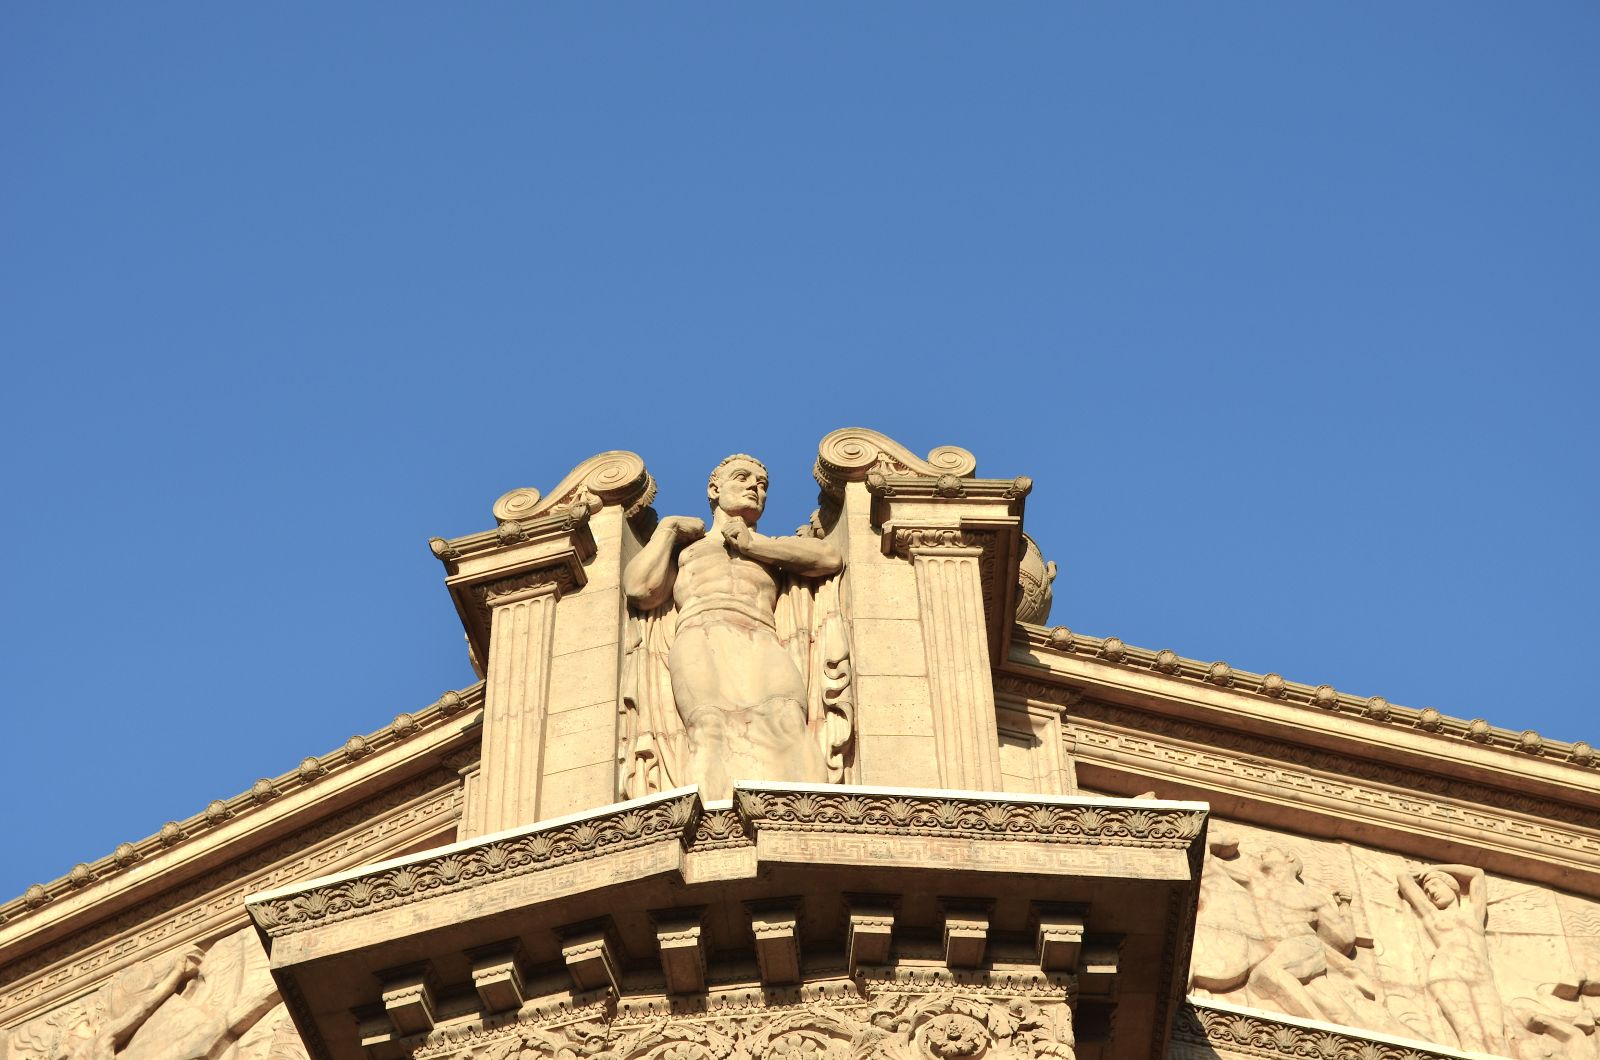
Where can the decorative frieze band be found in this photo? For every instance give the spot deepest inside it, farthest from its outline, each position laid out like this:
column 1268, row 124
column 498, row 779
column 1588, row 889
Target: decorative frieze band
column 1292, row 768
column 465, row 865
column 1202, row 1032
column 678, row 815
column 1087, row 822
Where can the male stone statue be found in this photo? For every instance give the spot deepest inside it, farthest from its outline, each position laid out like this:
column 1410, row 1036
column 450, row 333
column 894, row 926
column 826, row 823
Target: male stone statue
column 740, row 696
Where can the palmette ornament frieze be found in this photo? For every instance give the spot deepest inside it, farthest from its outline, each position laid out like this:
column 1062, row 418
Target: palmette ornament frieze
column 465, row 867
column 875, row 813
column 843, row 1025
column 1202, row 1031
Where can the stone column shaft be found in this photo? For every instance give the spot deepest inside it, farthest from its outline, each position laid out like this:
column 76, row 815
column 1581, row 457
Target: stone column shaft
column 950, row 598
column 516, row 694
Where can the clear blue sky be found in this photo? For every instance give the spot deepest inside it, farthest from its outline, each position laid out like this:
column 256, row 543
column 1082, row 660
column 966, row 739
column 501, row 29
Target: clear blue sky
column 1291, row 311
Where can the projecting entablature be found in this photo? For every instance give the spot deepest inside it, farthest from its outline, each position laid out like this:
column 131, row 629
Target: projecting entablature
column 873, row 911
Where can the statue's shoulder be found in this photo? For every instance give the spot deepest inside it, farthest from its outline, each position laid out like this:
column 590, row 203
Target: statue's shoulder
column 699, row 548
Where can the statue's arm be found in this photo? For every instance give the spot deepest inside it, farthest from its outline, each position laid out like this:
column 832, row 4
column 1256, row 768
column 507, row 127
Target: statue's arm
column 1413, row 894
column 1336, row 925
column 1474, row 888
column 805, row 556
column 647, row 579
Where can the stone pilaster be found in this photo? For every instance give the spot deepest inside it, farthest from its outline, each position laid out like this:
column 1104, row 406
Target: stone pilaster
column 540, row 599
column 933, row 554
column 955, row 640
column 516, row 699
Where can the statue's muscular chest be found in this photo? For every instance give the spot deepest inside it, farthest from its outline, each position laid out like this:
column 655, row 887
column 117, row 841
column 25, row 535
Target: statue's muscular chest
column 710, row 566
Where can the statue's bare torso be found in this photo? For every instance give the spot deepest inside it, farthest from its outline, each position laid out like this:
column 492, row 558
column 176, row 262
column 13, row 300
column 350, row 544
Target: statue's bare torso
column 738, row 690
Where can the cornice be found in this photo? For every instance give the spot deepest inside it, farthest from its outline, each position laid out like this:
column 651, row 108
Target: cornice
column 830, row 811
column 1447, row 736
column 560, row 525
column 1276, row 758
column 166, row 858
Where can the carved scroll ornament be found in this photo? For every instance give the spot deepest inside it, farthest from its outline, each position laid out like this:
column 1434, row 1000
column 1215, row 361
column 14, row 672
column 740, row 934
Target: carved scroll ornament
column 848, row 454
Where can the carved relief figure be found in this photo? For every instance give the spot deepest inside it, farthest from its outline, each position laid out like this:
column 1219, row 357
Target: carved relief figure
column 1451, row 901
column 219, row 1005
column 1286, row 941
column 738, row 665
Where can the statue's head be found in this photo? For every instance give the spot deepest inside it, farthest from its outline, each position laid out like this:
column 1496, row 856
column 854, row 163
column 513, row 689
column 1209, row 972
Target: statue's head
column 1441, row 888
column 1276, row 861
column 738, row 486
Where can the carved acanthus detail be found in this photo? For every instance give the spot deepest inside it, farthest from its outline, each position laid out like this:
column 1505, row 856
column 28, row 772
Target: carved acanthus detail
column 902, row 541
column 558, row 576
column 844, row 1025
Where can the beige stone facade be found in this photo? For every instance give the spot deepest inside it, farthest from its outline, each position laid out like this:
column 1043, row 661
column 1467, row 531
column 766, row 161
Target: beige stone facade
column 723, row 794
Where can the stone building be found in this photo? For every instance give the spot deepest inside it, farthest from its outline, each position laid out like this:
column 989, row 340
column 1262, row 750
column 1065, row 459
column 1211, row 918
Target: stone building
column 837, row 795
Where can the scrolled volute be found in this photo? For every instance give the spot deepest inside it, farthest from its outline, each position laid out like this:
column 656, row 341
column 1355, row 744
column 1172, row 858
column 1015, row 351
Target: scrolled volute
column 616, row 477
column 850, row 453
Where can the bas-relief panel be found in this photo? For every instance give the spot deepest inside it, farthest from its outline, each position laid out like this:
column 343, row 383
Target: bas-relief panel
column 1367, row 938
column 216, row 1002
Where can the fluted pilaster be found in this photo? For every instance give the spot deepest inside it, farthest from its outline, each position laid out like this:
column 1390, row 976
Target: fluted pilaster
column 516, row 698
column 955, row 640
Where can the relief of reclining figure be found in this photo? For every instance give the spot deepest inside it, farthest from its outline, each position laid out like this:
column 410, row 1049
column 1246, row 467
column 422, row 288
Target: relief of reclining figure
column 1287, row 942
